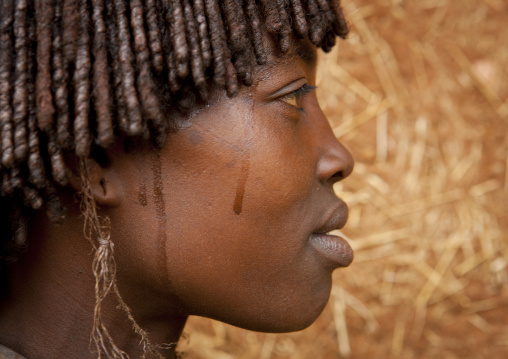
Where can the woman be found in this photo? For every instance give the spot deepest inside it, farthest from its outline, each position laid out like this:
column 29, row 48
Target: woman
column 192, row 134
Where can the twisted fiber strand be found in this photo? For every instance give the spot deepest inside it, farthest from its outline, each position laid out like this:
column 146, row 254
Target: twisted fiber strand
column 104, row 266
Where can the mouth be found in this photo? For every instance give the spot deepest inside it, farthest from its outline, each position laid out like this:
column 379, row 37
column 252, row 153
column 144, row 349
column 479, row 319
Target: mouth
column 334, row 249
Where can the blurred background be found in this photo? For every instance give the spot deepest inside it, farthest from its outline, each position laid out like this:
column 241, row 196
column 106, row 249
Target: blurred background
column 419, row 93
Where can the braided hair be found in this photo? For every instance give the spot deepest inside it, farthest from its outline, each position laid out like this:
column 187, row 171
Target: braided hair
column 75, row 75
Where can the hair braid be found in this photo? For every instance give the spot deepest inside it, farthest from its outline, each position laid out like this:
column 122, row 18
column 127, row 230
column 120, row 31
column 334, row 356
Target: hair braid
column 300, row 23
column 286, row 30
column 44, row 97
column 125, row 56
column 7, row 188
column 146, row 86
column 102, row 90
column 37, row 175
column 111, row 36
column 163, row 17
column 154, row 36
column 256, row 31
column 32, row 200
column 237, row 34
column 15, row 178
column 197, row 67
column 6, row 20
column 328, row 42
column 60, row 78
column 317, row 30
column 179, row 40
column 70, row 30
column 273, row 23
column 217, row 42
column 231, row 78
column 204, row 42
column 82, row 85
column 340, row 26
column 57, row 162
column 20, row 97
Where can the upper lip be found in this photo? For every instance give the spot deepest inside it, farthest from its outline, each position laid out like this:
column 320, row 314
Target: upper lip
column 336, row 218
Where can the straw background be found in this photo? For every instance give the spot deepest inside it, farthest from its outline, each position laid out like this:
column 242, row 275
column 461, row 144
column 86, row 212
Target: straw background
column 419, row 93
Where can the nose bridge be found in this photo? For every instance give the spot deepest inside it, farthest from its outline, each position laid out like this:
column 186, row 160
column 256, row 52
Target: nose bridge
column 335, row 161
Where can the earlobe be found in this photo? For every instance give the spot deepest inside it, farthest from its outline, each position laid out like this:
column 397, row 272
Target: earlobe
column 100, row 177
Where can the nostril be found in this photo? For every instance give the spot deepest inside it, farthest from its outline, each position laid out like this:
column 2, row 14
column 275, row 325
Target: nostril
column 338, row 176
column 335, row 165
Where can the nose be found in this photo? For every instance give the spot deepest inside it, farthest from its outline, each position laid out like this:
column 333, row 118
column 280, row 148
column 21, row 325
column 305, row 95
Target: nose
column 335, row 161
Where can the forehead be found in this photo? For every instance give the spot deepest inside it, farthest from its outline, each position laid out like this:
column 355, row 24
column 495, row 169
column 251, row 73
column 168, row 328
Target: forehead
column 301, row 53
column 300, row 50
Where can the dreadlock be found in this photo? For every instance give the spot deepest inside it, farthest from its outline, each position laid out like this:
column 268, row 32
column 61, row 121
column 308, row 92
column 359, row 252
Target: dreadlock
column 75, row 75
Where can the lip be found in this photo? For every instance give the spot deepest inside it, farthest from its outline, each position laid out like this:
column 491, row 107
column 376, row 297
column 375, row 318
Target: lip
column 334, row 249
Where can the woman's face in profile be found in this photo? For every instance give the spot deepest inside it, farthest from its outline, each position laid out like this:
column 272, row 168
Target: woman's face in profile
column 228, row 220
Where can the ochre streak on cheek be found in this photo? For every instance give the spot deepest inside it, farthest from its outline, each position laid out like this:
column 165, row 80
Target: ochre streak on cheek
column 142, row 199
column 160, row 207
column 240, row 186
column 246, row 152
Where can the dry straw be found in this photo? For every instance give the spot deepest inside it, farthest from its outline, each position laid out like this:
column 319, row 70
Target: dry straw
column 419, row 92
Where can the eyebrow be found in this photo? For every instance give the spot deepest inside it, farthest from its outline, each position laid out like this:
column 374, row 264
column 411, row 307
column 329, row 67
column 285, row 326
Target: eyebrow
column 304, row 51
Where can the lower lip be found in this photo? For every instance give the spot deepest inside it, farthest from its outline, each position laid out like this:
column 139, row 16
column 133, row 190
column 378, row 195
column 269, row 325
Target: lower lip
column 334, row 249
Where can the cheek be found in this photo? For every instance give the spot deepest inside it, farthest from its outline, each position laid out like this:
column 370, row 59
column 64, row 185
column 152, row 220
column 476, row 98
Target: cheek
column 237, row 234
column 225, row 227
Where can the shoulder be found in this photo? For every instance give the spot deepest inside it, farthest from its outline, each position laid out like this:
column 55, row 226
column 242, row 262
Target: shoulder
column 6, row 353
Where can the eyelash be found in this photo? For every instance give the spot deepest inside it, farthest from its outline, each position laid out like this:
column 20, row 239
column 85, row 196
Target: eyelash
column 297, row 95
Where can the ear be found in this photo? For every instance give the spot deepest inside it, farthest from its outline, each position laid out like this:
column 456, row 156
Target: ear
column 103, row 182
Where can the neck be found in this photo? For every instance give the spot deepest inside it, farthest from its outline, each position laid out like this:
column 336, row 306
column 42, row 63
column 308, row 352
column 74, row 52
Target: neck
column 48, row 311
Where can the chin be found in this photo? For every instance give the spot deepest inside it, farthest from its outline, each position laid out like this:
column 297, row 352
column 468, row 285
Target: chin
column 284, row 316
column 294, row 321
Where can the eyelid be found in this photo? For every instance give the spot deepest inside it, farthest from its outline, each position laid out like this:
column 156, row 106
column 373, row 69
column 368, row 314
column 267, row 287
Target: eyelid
column 289, row 88
column 297, row 95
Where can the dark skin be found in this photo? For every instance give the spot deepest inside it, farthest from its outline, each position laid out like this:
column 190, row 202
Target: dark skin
column 216, row 224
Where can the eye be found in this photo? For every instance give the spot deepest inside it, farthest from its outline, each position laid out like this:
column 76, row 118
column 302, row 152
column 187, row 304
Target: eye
column 295, row 98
